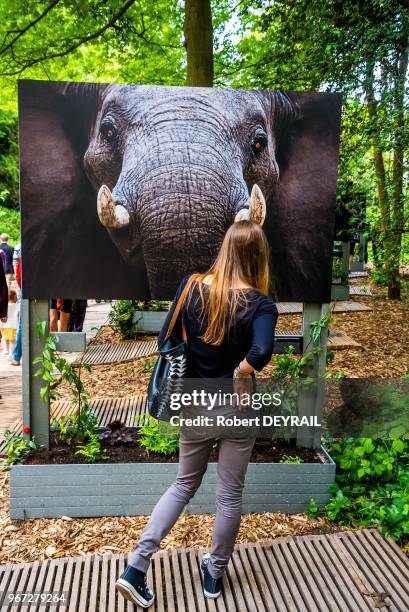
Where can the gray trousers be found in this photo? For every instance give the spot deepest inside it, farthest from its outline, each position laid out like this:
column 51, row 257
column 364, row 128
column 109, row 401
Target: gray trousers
column 234, row 456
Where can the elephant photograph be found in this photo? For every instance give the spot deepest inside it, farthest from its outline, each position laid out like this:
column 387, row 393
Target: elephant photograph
column 125, row 189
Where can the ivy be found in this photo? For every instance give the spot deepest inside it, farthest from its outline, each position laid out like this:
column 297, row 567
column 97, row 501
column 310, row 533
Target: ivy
column 70, row 427
column 372, row 485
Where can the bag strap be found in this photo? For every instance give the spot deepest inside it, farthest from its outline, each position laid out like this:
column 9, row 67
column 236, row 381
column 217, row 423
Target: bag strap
column 179, row 306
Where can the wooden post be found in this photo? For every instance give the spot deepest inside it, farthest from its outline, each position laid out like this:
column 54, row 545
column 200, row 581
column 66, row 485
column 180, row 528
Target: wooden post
column 359, row 266
column 36, row 412
column 311, row 397
column 345, row 257
column 341, row 291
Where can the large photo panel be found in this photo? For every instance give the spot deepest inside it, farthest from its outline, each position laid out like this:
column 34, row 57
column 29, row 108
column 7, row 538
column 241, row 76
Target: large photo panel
column 126, row 189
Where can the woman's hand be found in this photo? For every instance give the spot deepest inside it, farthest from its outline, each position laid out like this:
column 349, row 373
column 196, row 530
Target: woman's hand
column 243, row 388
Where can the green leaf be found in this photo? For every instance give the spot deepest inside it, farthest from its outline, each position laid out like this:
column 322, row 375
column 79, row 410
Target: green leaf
column 41, row 328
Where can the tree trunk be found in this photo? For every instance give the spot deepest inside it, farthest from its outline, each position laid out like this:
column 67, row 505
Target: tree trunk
column 198, row 32
column 379, row 165
column 397, row 209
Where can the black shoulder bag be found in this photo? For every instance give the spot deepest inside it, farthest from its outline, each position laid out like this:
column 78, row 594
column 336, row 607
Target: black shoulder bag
column 171, row 365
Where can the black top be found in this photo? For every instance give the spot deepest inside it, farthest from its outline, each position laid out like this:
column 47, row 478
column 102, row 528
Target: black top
column 8, row 250
column 4, row 293
column 251, row 335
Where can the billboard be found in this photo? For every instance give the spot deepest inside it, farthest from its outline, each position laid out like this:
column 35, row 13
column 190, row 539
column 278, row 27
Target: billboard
column 125, row 189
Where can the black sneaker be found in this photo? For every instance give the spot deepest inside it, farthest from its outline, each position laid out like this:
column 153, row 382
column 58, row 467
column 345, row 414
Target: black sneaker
column 212, row 587
column 132, row 585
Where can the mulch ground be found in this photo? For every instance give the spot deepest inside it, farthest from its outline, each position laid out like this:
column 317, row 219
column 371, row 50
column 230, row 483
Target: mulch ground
column 383, row 334
column 39, row 539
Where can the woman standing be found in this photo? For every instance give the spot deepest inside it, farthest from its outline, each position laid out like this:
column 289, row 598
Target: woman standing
column 4, row 295
column 229, row 321
column 9, row 326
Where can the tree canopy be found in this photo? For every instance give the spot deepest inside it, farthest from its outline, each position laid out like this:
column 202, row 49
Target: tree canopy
column 359, row 48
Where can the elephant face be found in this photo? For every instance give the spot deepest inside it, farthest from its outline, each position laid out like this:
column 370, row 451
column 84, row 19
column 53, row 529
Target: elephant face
column 125, row 189
column 179, row 164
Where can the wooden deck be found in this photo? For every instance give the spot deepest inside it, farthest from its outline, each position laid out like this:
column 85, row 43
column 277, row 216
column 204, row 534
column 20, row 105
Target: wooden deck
column 361, row 274
column 351, row 571
column 119, row 352
column 128, row 350
column 285, row 308
column 10, row 392
column 339, row 340
column 360, row 290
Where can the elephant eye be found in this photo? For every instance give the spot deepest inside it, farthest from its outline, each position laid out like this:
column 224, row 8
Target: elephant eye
column 259, row 144
column 107, row 131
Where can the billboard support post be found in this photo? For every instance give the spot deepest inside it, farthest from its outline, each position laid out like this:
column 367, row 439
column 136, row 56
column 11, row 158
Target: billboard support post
column 36, row 412
column 311, row 397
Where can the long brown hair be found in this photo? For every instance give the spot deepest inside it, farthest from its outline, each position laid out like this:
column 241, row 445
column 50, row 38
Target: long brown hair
column 243, row 257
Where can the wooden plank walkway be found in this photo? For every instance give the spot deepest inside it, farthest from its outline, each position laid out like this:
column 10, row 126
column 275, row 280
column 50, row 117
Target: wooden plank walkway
column 358, row 274
column 119, row 352
column 10, row 393
column 339, row 340
column 128, row 350
column 285, row 308
column 125, row 409
column 360, row 290
column 342, row 306
column 343, row 572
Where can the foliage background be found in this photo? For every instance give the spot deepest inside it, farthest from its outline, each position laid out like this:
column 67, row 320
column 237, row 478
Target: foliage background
column 295, row 44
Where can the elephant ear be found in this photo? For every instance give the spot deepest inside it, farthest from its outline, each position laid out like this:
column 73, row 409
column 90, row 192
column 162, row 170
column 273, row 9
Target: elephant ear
column 301, row 219
column 65, row 250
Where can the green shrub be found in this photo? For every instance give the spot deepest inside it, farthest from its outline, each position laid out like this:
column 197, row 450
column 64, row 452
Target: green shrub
column 158, row 438
column 9, row 196
column 338, row 272
column 72, row 428
column 122, row 319
column 153, row 305
column 291, row 459
column 17, row 447
column 372, row 485
column 10, row 223
column 91, row 450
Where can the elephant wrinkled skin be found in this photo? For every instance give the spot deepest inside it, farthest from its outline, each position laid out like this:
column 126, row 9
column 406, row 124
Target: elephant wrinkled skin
column 125, row 189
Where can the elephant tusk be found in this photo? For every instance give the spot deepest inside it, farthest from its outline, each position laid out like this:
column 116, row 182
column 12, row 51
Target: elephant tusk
column 111, row 215
column 257, row 208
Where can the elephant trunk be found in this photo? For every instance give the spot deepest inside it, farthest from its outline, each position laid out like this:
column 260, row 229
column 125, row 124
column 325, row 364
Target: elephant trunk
column 183, row 228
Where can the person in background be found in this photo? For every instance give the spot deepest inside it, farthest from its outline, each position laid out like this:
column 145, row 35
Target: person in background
column 9, row 326
column 60, row 309
column 16, row 256
column 8, row 251
column 15, row 357
column 78, row 312
column 3, row 261
column 4, row 297
column 3, row 293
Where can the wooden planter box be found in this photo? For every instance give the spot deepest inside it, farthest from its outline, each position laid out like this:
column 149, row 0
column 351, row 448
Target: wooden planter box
column 150, row 321
column 339, row 291
column 129, row 489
